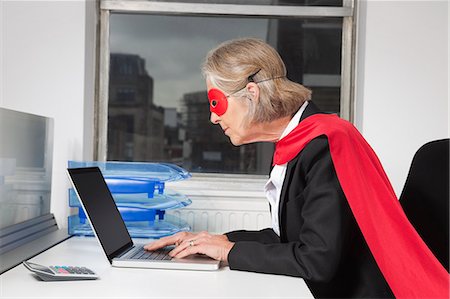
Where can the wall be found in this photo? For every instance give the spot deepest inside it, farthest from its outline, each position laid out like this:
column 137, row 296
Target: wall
column 47, row 59
column 402, row 79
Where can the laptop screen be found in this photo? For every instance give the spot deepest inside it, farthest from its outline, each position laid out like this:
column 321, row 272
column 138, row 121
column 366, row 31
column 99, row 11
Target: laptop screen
column 101, row 209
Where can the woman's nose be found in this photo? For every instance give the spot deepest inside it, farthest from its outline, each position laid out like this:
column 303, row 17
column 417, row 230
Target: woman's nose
column 214, row 118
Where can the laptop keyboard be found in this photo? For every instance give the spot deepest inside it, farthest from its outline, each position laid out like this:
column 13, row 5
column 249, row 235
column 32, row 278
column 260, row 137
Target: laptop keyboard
column 142, row 254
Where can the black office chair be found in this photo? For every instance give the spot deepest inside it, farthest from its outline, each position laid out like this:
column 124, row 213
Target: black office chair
column 425, row 197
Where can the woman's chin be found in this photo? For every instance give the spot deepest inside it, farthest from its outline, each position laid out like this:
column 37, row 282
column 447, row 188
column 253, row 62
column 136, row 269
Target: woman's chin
column 236, row 141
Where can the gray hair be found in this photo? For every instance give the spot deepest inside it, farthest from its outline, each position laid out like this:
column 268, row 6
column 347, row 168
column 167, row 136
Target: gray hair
column 229, row 66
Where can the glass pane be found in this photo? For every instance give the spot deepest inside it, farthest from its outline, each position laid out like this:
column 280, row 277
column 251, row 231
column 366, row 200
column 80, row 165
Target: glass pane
column 26, row 150
column 158, row 109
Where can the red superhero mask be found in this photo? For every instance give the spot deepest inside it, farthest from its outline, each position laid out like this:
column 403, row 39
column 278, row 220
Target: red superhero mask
column 218, row 102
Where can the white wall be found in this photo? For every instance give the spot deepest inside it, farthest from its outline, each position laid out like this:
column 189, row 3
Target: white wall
column 47, row 54
column 47, row 59
column 402, row 79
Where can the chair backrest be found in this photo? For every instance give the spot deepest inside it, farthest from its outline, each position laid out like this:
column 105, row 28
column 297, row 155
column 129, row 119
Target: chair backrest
column 425, row 197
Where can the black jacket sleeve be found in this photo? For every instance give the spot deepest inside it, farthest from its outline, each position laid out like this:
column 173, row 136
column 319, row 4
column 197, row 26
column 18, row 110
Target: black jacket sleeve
column 314, row 219
column 265, row 236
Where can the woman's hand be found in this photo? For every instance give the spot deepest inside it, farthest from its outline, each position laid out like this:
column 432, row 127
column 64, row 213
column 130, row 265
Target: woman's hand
column 214, row 246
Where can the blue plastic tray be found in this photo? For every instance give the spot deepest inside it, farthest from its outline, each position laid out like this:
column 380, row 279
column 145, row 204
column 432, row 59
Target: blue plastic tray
column 164, row 172
column 143, row 229
column 131, row 214
column 118, row 184
column 169, row 200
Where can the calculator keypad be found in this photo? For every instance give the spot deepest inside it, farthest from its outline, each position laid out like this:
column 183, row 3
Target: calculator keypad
column 71, row 270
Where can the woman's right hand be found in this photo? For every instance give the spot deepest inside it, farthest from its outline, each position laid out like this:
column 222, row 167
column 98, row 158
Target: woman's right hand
column 215, row 246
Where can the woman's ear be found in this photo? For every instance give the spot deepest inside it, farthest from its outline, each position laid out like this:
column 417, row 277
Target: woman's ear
column 253, row 90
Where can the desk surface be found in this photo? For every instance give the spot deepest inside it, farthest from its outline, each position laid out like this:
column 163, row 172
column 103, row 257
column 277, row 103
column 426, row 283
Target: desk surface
column 149, row 283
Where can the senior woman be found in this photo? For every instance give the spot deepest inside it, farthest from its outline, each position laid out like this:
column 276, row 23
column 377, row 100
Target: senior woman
column 335, row 220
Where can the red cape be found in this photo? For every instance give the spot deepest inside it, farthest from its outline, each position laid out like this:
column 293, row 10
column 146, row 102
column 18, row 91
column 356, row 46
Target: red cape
column 408, row 265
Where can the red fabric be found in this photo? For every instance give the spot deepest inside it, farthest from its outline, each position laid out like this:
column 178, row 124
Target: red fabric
column 218, row 102
column 409, row 267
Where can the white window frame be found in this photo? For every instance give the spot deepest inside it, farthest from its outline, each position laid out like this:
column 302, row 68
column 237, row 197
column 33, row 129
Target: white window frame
column 346, row 12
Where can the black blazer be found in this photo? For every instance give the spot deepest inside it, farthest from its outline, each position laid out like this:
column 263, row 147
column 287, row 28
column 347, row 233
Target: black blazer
column 320, row 240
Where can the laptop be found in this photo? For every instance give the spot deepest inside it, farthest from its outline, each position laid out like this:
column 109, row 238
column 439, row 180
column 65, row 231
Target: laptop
column 110, row 230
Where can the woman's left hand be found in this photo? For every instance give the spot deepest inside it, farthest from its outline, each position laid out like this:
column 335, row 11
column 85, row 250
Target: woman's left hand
column 214, row 246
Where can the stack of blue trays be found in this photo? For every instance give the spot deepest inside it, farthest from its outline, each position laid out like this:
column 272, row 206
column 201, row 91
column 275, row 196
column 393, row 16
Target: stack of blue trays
column 139, row 192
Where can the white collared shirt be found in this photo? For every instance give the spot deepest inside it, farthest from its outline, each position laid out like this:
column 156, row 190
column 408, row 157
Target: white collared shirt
column 275, row 183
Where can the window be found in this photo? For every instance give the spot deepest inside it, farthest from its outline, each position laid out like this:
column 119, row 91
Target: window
column 156, row 106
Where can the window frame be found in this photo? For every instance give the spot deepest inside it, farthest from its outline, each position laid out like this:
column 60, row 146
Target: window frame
column 106, row 7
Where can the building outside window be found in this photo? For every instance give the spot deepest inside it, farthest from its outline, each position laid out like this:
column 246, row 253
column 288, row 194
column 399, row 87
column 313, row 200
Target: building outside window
column 157, row 107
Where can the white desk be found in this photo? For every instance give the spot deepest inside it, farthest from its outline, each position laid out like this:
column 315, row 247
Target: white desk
column 148, row 283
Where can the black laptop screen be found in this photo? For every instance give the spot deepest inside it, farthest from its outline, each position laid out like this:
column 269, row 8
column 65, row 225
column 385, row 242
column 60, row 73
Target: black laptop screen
column 101, row 209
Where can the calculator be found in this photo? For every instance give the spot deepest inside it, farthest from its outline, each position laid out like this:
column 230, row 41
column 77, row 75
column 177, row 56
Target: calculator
column 53, row 273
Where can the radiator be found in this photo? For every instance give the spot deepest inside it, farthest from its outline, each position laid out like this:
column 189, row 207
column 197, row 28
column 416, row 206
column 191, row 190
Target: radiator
column 222, row 203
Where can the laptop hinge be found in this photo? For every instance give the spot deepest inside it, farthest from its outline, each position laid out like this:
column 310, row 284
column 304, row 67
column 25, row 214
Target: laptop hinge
column 121, row 251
